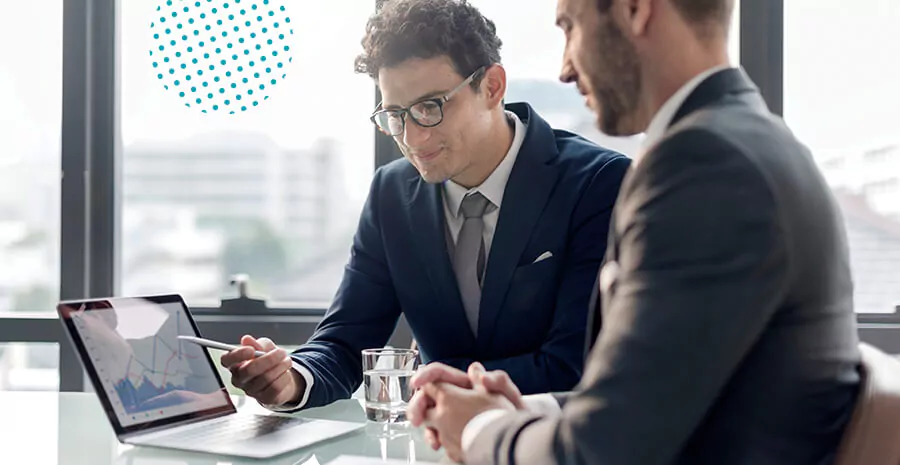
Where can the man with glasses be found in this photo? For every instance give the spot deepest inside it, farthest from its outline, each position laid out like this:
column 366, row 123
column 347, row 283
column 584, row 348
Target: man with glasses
column 487, row 237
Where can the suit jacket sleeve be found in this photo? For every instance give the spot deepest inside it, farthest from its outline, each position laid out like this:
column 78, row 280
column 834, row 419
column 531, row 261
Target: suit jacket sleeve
column 363, row 314
column 702, row 264
column 558, row 364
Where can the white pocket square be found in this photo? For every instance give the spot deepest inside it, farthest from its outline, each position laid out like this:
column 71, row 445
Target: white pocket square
column 543, row 257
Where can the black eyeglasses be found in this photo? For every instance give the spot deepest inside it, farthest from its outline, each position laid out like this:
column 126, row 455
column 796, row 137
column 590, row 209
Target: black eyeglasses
column 426, row 113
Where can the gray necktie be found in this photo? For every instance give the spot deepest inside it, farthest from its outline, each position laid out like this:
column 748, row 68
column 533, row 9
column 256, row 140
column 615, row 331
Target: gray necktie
column 468, row 255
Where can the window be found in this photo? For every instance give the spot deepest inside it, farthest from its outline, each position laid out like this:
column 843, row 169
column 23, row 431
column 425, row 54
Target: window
column 842, row 99
column 30, row 114
column 532, row 55
column 273, row 191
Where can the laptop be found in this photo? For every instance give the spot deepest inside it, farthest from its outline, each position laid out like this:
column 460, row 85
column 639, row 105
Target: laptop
column 160, row 391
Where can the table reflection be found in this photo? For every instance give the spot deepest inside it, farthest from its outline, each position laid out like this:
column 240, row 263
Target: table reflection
column 82, row 436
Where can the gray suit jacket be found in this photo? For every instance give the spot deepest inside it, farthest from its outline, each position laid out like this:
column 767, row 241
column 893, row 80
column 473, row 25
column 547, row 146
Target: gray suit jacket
column 728, row 328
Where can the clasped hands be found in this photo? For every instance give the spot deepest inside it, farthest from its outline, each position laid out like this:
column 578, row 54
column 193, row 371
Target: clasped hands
column 447, row 399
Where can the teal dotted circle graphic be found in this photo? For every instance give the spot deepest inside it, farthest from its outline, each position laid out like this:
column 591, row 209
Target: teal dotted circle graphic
column 221, row 55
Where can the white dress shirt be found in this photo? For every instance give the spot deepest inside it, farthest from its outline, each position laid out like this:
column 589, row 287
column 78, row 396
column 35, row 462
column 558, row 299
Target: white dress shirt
column 546, row 404
column 492, row 188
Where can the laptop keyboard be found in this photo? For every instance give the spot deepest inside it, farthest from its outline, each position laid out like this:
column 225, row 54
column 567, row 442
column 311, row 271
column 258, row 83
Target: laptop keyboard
column 235, row 428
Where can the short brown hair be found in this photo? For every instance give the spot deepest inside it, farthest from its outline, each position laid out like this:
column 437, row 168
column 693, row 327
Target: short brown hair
column 404, row 29
column 701, row 13
column 706, row 12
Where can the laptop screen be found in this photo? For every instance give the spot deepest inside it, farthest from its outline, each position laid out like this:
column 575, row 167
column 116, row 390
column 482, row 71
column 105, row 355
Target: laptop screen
column 144, row 375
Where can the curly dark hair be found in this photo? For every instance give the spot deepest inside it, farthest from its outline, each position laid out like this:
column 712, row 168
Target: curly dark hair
column 404, row 29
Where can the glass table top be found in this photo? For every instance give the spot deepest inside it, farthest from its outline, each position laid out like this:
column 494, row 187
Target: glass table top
column 50, row 428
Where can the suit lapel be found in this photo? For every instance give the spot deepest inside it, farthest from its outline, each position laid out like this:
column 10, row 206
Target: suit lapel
column 426, row 214
column 529, row 187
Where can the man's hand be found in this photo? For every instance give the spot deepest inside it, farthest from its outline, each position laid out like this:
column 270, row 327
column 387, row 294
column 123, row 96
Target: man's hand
column 270, row 379
column 454, row 407
column 497, row 382
column 421, row 402
column 493, row 382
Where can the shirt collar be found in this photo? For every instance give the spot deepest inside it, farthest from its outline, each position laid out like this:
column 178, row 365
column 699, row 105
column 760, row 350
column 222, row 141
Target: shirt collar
column 663, row 118
column 495, row 185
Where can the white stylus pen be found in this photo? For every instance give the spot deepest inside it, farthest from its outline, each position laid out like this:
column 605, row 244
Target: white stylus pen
column 215, row 344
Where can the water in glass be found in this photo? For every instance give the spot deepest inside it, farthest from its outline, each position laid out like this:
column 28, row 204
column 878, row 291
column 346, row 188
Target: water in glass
column 386, row 377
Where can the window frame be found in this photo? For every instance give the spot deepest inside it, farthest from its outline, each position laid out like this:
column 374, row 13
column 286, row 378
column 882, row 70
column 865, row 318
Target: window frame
column 91, row 205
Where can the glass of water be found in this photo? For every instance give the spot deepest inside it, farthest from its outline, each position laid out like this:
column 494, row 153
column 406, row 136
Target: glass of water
column 386, row 376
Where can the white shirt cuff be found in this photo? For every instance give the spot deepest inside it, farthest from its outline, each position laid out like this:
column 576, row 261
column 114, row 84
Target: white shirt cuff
column 474, row 426
column 289, row 407
column 543, row 404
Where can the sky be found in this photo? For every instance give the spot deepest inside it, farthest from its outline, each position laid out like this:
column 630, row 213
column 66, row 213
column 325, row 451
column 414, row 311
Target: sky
column 30, row 79
column 842, row 73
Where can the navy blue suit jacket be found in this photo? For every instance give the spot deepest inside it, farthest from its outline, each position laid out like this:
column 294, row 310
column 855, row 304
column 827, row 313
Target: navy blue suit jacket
column 532, row 317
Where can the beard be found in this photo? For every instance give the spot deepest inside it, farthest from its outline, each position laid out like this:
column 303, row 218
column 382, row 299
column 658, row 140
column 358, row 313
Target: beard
column 615, row 79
